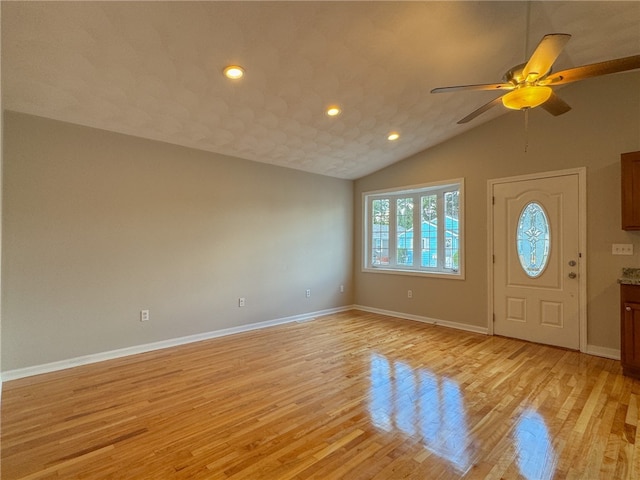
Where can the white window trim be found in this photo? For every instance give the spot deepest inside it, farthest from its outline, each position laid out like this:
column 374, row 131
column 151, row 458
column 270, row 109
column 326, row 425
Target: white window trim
column 398, row 192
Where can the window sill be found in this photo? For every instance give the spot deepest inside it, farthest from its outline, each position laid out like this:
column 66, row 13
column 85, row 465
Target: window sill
column 416, row 273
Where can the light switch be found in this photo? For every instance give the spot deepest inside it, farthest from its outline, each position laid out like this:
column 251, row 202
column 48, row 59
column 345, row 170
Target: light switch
column 622, row 249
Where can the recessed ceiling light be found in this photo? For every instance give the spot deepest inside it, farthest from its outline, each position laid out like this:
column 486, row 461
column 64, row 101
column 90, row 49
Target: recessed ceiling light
column 233, row 72
column 393, row 136
column 333, row 110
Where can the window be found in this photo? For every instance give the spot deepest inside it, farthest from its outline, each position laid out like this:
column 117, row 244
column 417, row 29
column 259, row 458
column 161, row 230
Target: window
column 415, row 230
column 532, row 239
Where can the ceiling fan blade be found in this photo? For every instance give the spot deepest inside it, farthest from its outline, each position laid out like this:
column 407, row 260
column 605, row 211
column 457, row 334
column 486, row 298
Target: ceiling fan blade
column 593, row 70
column 481, row 110
column 544, row 55
column 555, row 105
column 485, row 86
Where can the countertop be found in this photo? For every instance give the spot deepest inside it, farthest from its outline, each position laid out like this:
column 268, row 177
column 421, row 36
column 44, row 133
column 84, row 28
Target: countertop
column 630, row 276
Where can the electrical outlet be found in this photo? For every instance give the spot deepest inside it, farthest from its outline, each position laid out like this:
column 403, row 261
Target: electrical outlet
column 144, row 315
column 622, row 249
column 307, row 293
column 409, row 293
column 241, row 302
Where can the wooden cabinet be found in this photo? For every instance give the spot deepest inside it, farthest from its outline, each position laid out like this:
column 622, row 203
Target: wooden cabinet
column 630, row 329
column 630, row 190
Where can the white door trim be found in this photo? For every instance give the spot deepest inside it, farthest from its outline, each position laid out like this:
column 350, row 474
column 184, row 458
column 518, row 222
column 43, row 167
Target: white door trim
column 582, row 242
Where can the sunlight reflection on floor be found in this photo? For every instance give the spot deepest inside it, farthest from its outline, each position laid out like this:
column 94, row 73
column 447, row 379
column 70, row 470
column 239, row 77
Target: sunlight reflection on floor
column 420, row 404
column 431, row 409
column 536, row 455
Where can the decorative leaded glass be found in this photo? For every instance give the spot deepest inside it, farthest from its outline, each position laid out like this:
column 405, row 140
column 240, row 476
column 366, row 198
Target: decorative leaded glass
column 533, row 239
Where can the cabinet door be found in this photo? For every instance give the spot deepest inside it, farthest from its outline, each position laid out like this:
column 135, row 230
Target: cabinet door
column 631, row 335
column 630, row 171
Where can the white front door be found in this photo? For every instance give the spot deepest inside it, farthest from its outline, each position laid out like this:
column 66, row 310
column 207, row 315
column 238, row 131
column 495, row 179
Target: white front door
column 537, row 260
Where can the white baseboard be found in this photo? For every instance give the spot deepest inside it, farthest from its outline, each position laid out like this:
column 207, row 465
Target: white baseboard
column 605, row 352
column 173, row 342
column 429, row 320
column 612, row 353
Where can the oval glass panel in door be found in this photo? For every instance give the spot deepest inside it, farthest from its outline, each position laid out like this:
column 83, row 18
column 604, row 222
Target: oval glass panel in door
column 533, row 239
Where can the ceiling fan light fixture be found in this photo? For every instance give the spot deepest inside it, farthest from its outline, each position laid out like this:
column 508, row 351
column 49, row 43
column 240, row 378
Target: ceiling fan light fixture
column 526, row 97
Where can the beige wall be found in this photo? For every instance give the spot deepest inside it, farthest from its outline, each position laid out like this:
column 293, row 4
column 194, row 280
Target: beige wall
column 604, row 122
column 98, row 226
column 1, row 163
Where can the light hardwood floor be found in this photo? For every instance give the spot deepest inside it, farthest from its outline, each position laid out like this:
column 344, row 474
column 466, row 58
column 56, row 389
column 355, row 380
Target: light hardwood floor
column 352, row 395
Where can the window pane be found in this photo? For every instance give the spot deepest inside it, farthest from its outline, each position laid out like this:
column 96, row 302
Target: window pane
column 451, row 233
column 429, row 254
column 533, row 239
column 380, row 232
column 404, row 231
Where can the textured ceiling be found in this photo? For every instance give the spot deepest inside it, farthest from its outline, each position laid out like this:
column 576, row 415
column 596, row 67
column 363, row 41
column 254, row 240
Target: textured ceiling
column 153, row 69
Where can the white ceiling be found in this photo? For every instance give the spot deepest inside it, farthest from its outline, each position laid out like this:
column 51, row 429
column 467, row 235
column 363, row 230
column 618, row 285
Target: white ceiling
column 153, row 70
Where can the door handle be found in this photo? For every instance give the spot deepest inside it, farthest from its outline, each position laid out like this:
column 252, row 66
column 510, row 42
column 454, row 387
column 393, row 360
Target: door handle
column 572, row 275
column 628, row 309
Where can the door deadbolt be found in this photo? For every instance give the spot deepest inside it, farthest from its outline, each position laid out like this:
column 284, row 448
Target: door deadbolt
column 572, row 263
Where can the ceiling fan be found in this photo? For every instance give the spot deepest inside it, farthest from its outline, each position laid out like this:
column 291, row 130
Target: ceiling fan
column 529, row 84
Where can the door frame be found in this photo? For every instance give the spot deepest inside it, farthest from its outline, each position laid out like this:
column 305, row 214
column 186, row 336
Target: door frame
column 581, row 173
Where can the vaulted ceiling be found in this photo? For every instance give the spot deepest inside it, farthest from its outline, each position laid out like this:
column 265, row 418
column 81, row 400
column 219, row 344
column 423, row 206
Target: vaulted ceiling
column 154, row 70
